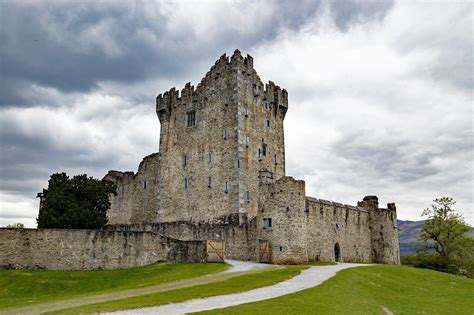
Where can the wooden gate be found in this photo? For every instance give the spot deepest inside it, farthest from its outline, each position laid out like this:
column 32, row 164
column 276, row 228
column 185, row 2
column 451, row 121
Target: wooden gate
column 265, row 251
column 215, row 250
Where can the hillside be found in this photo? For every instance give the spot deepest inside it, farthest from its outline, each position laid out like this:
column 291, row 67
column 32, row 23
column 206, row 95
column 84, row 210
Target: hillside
column 374, row 289
column 408, row 234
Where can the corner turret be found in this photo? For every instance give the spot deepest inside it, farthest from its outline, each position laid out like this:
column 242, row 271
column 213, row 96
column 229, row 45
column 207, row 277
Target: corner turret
column 383, row 229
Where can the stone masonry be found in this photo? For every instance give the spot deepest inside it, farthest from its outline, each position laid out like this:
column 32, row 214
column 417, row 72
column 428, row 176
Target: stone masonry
column 63, row 249
column 220, row 174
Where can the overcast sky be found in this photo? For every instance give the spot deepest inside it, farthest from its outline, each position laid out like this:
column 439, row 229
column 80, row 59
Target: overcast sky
column 380, row 92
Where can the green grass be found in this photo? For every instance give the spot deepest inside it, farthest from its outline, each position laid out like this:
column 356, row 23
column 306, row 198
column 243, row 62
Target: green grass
column 27, row 287
column 321, row 263
column 403, row 290
column 233, row 285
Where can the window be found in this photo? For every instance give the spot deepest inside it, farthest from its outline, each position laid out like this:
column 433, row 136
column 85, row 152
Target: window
column 264, row 149
column 209, row 157
column 144, row 185
column 268, row 123
column 209, row 182
column 225, row 134
column 247, row 196
column 226, row 187
column 275, row 159
column 266, row 106
column 259, row 153
column 267, row 223
column 191, row 119
column 185, row 183
column 247, row 140
column 238, row 163
column 185, row 160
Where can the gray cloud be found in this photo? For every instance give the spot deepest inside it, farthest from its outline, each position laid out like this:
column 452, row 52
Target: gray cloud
column 74, row 46
column 347, row 13
column 394, row 161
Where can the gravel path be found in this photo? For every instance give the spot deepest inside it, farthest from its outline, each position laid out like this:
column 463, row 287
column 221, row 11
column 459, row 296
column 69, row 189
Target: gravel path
column 237, row 268
column 307, row 279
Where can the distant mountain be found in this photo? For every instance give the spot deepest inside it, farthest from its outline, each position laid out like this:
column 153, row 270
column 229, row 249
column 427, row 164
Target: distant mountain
column 408, row 234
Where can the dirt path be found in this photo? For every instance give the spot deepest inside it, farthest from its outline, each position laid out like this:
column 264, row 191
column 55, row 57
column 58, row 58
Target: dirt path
column 238, row 268
column 307, row 279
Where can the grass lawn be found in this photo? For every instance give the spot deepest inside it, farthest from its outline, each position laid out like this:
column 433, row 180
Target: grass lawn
column 363, row 290
column 26, row 287
column 233, row 285
column 321, row 263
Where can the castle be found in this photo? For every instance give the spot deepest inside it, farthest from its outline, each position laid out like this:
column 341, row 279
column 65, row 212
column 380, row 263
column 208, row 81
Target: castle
column 220, row 175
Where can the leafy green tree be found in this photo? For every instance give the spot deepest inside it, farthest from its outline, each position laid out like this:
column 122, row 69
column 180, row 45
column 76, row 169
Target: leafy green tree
column 445, row 231
column 16, row 226
column 79, row 202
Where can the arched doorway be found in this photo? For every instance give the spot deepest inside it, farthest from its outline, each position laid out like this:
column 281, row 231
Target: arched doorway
column 337, row 252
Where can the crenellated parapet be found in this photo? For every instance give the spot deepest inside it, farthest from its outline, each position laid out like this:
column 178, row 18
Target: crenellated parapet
column 114, row 176
column 334, row 205
column 276, row 96
column 224, row 67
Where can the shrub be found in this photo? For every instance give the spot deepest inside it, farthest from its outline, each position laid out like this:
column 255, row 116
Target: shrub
column 436, row 262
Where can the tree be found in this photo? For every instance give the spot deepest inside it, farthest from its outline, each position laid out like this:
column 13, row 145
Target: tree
column 445, row 231
column 15, row 226
column 80, row 202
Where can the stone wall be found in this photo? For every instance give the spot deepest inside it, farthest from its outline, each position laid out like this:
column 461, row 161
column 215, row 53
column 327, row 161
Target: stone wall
column 62, row 249
column 197, row 161
column 284, row 204
column 303, row 228
column 239, row 238
column 261, row 112
column 137, row 194
column 331, row 223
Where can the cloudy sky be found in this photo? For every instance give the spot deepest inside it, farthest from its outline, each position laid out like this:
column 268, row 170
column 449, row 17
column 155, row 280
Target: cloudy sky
column 380, row 92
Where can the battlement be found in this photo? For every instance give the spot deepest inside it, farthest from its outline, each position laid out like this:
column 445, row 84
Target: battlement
column 118, row 175
column 225, row 66
column 276, row 95
column 114, row 176
column 372, row 203
column 335, row 204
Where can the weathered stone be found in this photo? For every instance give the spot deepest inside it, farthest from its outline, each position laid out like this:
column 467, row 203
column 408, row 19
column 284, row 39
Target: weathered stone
column 65, row 249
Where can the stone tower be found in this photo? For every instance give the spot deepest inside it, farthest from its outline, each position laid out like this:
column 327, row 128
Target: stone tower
column 216, row 139
column 383, row 231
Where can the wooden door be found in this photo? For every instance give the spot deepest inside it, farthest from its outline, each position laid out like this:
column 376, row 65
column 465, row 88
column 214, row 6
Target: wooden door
column 264, row 251
column 215, row 250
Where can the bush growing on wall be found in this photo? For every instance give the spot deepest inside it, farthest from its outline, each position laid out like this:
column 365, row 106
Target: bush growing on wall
column 15, row 226
column 79, row 202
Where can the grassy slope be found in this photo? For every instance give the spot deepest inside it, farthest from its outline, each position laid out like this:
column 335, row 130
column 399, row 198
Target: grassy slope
column 26, row 287
column 363, row 290
column 233, row 285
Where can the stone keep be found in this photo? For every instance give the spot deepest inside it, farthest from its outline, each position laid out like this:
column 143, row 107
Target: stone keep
column 222, row 161
column 215, row 139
